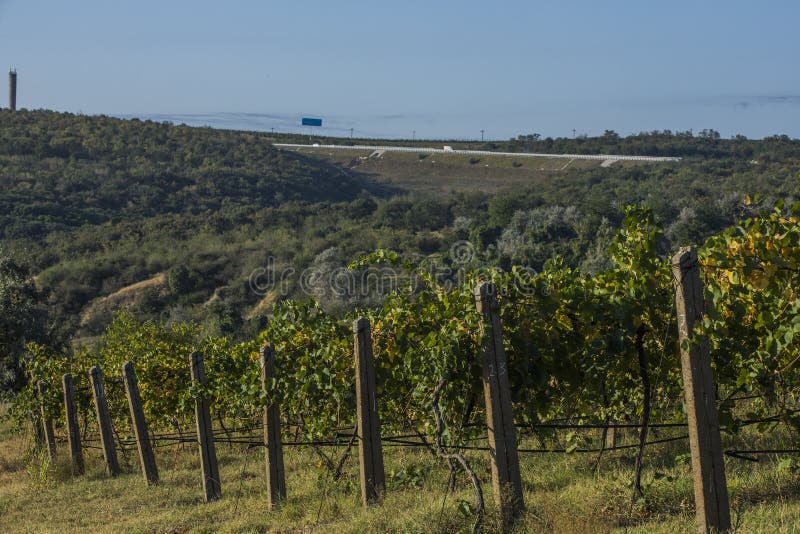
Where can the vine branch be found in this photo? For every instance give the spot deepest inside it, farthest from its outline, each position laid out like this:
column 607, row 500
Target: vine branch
column 456, row 457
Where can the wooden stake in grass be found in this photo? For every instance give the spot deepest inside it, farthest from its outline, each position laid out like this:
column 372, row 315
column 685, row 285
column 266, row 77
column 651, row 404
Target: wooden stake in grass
column 47, row 421
column 38, row 431
column 212, row 486
column 502, row 435
column 273, row 445
column 73, row 430
column 370, row 452
column 36, row 423
column 104, row 421
column 708, row 466
column 146, row 456
column 611, row 436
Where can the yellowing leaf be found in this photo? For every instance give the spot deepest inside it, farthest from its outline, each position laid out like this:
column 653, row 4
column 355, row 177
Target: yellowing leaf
column 759, row 280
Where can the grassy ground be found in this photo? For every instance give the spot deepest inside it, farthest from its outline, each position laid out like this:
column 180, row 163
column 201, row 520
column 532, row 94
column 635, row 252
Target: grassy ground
column 445, row 173
column 563, row 493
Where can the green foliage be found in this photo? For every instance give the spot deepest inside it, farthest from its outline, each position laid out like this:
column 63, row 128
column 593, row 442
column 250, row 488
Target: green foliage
column 72, row 170
column 314, row 367
column 160, row 354
column 412, row 475
column 572, row 340
column 707, row 144
column 100, row 204
column 534, row 236
column 577, row 346
column 97, row 205
column 38, row 469
column 753, row 277
column 22, row 319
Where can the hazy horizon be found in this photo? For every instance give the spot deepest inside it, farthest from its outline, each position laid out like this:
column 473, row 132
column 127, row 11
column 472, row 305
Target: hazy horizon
column 389, row 127
column 444, row 70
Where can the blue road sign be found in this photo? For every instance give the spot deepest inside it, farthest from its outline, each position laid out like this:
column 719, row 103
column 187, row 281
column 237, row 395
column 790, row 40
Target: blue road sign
column 306, row 121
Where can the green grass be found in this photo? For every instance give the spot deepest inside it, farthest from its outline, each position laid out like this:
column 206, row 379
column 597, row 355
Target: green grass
column 446, row 173
column 564, row 493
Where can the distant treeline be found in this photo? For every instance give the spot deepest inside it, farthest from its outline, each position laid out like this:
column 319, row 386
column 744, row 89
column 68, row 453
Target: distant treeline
column 687, row 144
column 706, row 143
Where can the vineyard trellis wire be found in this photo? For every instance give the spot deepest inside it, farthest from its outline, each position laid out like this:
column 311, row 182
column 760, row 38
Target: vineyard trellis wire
column 567, row 336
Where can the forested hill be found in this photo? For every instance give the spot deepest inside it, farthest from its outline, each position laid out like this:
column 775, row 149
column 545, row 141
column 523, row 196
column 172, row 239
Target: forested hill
column 60, row 171
column 170, row 222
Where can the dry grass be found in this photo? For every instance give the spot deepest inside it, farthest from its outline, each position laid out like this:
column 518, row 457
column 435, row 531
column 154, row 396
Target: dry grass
column 124, row 297
column 563, row 494
column 446, row 173
column 263, row 305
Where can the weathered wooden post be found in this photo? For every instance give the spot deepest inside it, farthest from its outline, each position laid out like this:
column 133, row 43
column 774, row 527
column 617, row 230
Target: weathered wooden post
column 708, row 466
column 73, row 430
column 273, row 445
column 104, row 421
column 47, row 421
column 36, row 424
column 38, row 431
column 502, row 435
column 370, row 452
column 612, row 434
column 212, row 486
column 146, row 456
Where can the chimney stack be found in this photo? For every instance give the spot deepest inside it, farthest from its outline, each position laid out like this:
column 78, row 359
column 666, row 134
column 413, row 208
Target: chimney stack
column 12, row 89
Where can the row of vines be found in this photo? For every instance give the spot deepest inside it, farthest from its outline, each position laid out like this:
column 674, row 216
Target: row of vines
column 579, row 348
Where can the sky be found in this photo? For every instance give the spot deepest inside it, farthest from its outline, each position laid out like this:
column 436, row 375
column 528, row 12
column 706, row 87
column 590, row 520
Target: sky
column 427, row 69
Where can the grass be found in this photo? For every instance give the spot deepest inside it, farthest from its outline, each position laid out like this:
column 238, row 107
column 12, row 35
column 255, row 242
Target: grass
column 447, row 173
column 563, row 493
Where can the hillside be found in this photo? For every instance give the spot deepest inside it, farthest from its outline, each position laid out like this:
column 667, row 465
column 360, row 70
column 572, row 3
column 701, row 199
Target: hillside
column 62, row 171
column 442, row 174
column 95, row 205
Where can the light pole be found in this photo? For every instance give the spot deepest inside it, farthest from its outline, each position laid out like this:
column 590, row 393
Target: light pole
column 351, row 133
column 413, row 135
column 481, row 136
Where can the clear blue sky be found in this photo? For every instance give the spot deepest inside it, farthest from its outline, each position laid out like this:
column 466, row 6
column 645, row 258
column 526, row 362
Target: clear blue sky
column 446, row 68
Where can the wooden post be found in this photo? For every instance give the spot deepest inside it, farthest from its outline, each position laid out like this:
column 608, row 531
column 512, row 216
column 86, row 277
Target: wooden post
column 38, row 431
column 212, row 486
column 73, row 430
column 47, row 421
column 104, row 421
column 146, row 456
column 611, row 435
column 273, row 445
column 502, row 435
column 36, row 424
column 708, row 467
column 370, row 452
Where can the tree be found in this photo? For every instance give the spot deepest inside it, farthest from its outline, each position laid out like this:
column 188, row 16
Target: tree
column 709, row 134
column 22, row 320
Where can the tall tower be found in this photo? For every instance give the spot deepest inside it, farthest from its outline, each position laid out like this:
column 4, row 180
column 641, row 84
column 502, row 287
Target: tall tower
column 12, row 89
